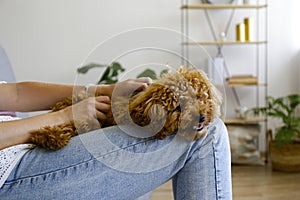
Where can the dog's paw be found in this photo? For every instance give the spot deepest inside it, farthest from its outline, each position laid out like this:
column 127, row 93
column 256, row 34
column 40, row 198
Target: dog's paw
column 52, row 138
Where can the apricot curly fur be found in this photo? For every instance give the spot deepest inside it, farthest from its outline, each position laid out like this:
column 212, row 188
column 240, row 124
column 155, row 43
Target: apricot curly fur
column 174, row 102
column 179, row 98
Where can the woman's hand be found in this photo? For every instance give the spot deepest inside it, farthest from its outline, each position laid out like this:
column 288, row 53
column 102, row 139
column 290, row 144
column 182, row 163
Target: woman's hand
column 122, row 88
column 128, row 87
column 90, row 109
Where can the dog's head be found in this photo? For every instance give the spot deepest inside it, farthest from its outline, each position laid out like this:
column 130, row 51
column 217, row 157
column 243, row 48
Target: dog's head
column 181, row 102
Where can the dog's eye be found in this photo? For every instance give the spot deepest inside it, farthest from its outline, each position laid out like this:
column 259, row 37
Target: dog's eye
column 177, row 108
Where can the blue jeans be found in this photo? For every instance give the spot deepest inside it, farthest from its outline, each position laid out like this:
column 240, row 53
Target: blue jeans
column 110, row 164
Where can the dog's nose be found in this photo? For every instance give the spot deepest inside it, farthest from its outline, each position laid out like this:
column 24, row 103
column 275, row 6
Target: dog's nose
column 200, row 126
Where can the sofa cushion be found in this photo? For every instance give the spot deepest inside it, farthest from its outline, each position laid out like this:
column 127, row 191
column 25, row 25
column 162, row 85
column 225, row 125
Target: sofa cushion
column 6, row 71
column 7, row 75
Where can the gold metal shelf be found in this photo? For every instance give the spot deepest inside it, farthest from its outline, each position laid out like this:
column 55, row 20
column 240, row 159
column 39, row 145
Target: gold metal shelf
column 249, row 120
column 225, row 43
column 222, row 6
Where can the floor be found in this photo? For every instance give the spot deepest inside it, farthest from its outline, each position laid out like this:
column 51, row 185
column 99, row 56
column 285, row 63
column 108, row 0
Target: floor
column 252, row 183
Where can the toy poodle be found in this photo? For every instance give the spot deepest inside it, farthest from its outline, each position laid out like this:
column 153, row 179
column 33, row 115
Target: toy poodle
column 184, row 102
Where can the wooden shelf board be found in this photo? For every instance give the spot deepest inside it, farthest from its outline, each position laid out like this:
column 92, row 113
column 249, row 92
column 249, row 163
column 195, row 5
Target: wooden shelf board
column 222, row 6
column 244, row 84
column 225, row 43
column 249, row 120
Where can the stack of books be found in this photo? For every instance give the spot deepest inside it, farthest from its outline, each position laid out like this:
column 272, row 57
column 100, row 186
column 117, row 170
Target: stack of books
column 242, row 80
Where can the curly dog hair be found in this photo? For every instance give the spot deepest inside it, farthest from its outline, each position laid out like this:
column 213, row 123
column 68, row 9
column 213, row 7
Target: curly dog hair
column 184, row 102
column 181, row 101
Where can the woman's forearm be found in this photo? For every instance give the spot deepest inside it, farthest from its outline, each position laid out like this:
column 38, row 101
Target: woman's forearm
column 33, row 96
column 17, row 131
column 36, row 96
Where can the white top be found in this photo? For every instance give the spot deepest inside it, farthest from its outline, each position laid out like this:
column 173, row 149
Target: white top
column 10, row 156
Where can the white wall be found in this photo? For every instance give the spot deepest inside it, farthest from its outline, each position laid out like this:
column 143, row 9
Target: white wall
column 284, row 47
column 47, row 40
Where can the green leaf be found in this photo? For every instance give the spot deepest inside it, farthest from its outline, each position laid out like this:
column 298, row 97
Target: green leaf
column 110, row 75
column 294, row 100
column 295, row 122
column 163, row 72
column 279, row 113
column 285, row 135
column 280, row 102
column 116, row 69
column 105, row 76
column 86, row 68
column 148, row 73
column 283, row 108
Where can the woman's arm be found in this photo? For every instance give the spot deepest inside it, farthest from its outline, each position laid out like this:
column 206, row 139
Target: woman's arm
column 36, row 96
column 18, row 131
column 32, row 96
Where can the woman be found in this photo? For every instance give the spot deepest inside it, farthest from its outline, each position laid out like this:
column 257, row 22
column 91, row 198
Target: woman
column 106, row 163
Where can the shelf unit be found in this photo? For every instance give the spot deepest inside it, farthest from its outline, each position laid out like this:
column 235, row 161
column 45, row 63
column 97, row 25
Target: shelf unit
column 221, row 6
column 220, row 44
column 225, row 43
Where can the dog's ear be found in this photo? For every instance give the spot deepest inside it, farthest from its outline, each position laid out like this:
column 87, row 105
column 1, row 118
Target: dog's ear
column 145, row 104
column 209, row 98
column 125, row 110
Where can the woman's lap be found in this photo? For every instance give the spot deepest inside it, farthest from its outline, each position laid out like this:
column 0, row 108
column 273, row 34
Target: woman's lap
column 109, row 164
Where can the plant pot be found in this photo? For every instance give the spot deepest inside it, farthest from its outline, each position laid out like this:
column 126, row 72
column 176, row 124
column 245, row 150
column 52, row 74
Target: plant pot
column 285, row 157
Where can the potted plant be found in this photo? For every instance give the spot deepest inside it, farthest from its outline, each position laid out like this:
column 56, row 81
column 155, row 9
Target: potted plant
column 112, row 71
column 284, row 149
